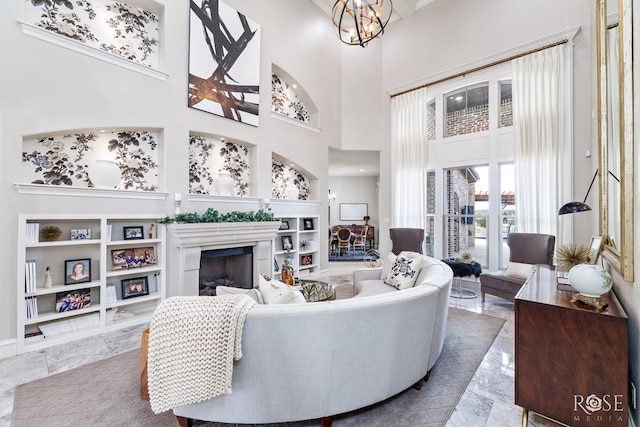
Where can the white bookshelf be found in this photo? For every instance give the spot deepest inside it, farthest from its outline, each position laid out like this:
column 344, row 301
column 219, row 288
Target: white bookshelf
column 42, row 325
column 305, row 258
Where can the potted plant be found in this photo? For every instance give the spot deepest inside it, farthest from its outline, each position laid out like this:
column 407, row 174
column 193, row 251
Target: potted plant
column 287, row 269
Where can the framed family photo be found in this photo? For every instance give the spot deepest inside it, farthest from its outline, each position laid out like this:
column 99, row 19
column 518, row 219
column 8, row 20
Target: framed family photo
column 287, row 242
column 133, row 232
column 80, row 233
column 135, row 287
column 77, row 271
column 132, row 257
column 74, row 300
column 284, row 225
column 308, row 224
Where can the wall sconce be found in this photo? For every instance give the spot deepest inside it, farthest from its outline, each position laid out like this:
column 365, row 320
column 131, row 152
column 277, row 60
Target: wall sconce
column 575, row 207
column 177, row 199
column 332, row 196
column 265, row 204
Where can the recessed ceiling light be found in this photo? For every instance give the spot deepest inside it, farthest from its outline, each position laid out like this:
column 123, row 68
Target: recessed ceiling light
column 361, row 170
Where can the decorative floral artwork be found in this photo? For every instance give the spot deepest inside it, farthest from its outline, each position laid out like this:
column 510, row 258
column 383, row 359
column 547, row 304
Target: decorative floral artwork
column 67, row 159
column 285, row 101
column 283, row 176
column 208, row 157
column 224, row 61
column 115, row 27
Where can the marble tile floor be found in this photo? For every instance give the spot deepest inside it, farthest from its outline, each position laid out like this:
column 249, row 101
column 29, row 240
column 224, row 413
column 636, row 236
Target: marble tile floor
column 487, row 401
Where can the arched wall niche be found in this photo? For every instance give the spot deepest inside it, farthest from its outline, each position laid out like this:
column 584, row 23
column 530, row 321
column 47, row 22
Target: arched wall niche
column 299, row 92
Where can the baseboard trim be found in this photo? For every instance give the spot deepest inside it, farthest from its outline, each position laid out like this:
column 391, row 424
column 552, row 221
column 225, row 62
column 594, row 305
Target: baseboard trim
column 8, row 348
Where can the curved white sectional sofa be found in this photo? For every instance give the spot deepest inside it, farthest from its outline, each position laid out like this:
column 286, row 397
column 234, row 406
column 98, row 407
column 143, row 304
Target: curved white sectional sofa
column 317, row 360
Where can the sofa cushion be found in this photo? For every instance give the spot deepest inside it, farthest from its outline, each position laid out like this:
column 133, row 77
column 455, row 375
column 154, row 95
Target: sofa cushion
column 387, row 264
column 518, row 269
column 276, row 292
column 229, row 290
column 373, row 287
column 403, row 272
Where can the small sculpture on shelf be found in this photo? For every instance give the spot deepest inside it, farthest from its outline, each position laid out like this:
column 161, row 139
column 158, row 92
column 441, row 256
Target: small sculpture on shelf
column 47, row 277
column 152, row 231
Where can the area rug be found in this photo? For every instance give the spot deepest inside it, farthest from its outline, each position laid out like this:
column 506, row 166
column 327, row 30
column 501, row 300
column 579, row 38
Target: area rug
column 106, row 393
column 347, row 256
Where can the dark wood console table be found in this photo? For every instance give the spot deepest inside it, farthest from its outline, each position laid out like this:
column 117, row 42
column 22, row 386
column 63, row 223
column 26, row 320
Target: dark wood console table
column 571, row 362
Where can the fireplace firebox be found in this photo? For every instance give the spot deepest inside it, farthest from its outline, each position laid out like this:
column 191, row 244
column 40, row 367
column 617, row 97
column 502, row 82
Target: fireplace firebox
column 225, row 267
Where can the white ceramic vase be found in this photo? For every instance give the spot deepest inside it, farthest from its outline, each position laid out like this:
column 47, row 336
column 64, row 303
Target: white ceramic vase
column 224, row 184
column 590, row 280
column 104, row 174
column 293, row 192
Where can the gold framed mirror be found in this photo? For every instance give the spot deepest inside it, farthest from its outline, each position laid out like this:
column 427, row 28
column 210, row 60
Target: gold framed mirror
column 615, row 135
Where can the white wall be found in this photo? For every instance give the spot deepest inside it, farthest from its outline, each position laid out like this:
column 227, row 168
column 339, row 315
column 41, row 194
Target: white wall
column 46, row 89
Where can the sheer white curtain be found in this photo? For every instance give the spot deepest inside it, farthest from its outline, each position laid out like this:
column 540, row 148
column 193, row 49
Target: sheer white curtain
column 538, row 108
column 408, row 159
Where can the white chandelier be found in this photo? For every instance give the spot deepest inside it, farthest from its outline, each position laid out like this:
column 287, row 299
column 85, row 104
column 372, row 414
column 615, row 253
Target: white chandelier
column 357, row 22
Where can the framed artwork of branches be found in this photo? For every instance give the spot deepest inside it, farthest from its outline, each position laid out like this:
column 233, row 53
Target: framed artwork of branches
column 224, row 61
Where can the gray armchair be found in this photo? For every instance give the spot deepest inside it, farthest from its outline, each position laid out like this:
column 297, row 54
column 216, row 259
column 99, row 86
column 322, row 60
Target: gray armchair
column 406, row 239
column 526, row 248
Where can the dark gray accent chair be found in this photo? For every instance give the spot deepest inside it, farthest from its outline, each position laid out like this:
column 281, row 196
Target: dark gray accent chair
column 406, row 239
column 526, row 248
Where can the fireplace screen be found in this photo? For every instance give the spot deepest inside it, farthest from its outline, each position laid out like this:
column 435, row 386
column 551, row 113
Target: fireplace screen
column 226, row 267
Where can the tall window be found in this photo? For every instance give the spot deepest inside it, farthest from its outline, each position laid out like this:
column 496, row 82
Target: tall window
column 506, row 104
column 507, row 208
column 465, row 224
column 431, row 120
column 467, row 110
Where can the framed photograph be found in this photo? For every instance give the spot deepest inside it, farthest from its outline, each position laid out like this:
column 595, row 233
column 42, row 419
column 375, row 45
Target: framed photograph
column 284, row 225
column 308, row 223
column 306, row 259
column 133, row 232
column 77, row 271
column 287, row 242
column 126, row 258
column 74, row 300
column 135, row 287
column 595, row 247
column 80, row 233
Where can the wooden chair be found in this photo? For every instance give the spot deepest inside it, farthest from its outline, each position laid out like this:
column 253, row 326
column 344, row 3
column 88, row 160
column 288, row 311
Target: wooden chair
column 344, row 240
column 360, row 240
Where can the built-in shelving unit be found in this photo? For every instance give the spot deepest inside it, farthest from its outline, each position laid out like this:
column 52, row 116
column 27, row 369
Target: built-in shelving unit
column 125, row 280
column 302, row 233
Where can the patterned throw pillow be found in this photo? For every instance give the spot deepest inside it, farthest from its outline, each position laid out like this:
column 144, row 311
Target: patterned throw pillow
column 403, row 272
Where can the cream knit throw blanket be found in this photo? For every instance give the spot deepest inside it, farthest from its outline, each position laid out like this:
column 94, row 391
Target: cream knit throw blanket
column 193, row 342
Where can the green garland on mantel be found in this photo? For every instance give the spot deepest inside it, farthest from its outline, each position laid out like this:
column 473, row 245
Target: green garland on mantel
column 212, row 215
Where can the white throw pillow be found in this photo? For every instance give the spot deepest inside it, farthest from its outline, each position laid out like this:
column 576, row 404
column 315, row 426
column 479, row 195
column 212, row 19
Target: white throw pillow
column 387, row 264
column 518, row 269
column 229, row 290
column 276, row 292
column 404, row 272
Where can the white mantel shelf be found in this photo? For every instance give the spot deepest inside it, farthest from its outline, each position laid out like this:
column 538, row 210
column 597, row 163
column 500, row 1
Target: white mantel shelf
column 221, row 233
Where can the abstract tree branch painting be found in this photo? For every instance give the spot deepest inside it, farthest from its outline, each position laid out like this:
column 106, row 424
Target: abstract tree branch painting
column 224, row 61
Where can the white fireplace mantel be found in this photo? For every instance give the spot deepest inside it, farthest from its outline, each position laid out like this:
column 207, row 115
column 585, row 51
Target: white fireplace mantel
column 187, row 241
